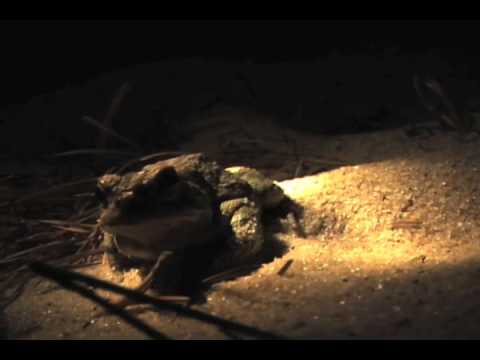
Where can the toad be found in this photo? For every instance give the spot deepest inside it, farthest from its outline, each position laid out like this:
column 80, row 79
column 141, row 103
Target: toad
column 183, row 203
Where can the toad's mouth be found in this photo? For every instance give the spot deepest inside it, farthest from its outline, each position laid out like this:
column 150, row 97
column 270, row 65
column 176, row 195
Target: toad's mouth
column 146, row 239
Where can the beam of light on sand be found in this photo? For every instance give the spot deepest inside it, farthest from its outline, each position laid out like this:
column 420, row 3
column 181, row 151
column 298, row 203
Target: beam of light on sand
column 370, row 237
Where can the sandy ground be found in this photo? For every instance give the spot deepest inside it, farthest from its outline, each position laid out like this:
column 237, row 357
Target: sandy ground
column 392, row 248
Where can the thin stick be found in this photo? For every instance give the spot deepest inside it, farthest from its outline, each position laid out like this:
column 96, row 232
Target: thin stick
column 65, row 278
column 285, row 267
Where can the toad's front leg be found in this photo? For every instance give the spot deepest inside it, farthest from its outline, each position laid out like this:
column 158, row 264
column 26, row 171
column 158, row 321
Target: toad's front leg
column 242, row 221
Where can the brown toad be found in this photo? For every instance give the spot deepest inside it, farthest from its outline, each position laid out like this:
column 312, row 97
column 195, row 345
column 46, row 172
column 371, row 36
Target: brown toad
column 183, row 203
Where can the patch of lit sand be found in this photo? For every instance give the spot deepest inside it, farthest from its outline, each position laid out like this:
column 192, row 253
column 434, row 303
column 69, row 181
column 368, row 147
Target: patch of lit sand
column 130, row 279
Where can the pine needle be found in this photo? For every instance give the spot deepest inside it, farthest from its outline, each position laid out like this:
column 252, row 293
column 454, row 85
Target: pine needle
column 156, row 156
column 50, row 191
column 96, row 152
column 110, row 131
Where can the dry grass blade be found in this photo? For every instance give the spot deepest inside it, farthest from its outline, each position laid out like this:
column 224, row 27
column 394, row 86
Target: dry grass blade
column 319, row 160
column 299, row 169
column 452, row 118
column 117, row 99
column 64, row 223
column 229, row 274
column 13, row 262
column 437, row 88
column 292, row 143
column 156, row 156
column 110, row 132
column 85, row 212
column 182, row 300
column 96, row 152
column 88, row 216
column 89, row 205
column 35, row 249
column 35, row 237
column 83, row 265
column 37, row 256
column 421, row 95
column 11, row 278
column 84, row 195
column 92, row 239
column 69, row 261
column 72, row 229
column 66, row 226
column 162, row 155
column 10, row 294
column 50, row 191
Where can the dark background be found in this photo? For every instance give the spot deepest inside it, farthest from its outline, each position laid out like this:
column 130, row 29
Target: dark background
column 327, row 76
column 43, row 55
